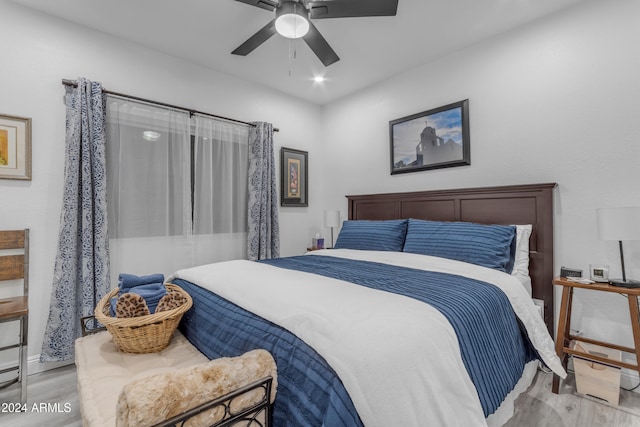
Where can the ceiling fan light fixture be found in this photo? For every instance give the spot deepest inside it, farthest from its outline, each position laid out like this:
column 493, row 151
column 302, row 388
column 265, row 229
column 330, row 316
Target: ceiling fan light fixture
column 291, row 20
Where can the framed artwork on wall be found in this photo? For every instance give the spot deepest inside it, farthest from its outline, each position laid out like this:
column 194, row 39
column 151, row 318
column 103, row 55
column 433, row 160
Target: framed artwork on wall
column 15, row 147
column 433, row 139
column 294, row 174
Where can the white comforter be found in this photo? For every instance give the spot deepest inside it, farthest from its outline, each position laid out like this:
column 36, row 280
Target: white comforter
column 397, row 373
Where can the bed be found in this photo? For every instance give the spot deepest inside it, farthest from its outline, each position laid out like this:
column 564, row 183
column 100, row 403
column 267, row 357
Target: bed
column 393, row 335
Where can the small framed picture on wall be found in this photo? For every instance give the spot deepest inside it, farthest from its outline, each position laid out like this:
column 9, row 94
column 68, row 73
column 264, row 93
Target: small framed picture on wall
column 15, row 147
column 294, row 174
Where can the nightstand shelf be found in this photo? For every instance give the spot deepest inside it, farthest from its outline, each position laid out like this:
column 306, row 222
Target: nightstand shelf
column 564, row 337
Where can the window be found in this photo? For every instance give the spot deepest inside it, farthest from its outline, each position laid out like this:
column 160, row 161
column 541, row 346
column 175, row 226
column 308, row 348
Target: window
column 177, row 188
column 170, row 174
column 220, row 156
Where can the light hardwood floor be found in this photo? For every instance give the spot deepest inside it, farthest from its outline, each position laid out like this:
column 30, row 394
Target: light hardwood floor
column 537, row 407
column 57, row 388
column 540, row 407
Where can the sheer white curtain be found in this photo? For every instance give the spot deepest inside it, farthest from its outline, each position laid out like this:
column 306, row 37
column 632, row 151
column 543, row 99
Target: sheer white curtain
column 148, row 193
column 176, row 191
column 220, row 162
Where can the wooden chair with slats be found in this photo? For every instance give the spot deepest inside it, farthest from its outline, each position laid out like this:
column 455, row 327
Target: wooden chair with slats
column 14, row 267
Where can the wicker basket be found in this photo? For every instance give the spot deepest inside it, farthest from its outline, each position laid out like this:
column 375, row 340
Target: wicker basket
column 142, row 334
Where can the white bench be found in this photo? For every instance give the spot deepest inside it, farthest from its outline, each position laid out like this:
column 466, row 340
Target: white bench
column 103, row 372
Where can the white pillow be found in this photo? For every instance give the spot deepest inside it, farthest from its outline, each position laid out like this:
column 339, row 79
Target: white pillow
column 521, row 263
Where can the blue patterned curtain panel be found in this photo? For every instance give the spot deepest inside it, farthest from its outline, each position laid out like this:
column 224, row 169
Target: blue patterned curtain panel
column 81, row 275
column 263, row 241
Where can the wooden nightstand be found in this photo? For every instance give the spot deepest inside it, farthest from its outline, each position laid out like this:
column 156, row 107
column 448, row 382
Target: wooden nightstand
column 564, row 336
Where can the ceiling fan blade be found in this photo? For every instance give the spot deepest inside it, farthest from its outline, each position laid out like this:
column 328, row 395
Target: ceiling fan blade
column 322, row 9
column 257, row 39
column 319, row 46
column 263, row 4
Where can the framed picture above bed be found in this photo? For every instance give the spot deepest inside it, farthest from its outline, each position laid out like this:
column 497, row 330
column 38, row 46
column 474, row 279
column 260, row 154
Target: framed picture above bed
column 432, row 139
column 294, row 188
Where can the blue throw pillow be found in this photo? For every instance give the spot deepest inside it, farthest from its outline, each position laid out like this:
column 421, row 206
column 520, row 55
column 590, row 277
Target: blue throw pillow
column 491, row 246
column 372, row 235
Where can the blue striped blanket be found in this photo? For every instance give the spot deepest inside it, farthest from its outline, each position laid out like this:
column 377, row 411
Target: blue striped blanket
column 494, row 347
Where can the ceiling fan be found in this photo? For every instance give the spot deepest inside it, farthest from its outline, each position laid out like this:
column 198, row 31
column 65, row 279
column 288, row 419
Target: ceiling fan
column 293, row 20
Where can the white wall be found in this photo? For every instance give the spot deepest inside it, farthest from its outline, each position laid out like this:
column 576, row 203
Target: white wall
column 556, row 101
column 40, row 51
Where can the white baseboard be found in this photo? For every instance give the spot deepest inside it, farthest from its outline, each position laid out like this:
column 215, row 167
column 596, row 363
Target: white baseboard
column 34, row 366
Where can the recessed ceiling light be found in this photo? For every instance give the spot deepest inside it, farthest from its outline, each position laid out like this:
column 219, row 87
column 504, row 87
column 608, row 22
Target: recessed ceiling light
column 151, row 135
column 318, row 79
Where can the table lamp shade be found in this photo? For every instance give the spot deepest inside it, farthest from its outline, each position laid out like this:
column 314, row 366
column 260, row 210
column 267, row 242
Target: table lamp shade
column 619, row 223
column 332, row 219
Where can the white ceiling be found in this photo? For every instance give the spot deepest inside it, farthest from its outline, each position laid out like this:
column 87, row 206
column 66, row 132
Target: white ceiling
column 370, row 49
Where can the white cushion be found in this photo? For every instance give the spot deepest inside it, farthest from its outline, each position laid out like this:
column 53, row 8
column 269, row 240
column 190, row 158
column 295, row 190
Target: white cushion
column 103, row 371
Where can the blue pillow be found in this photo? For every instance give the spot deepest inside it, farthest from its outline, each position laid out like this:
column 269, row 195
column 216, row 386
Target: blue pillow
column 372, row 235
column 491, row 246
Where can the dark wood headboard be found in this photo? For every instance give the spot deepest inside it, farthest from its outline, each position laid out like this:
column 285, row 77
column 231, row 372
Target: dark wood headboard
column 514, row 204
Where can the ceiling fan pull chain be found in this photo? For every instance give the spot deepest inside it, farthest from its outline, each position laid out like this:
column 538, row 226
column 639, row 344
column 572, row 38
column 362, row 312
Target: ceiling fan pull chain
column 290, row 58
column 293, row 53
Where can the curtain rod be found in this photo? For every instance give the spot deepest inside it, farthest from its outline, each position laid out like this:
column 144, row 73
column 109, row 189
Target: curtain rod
column 191, row 112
